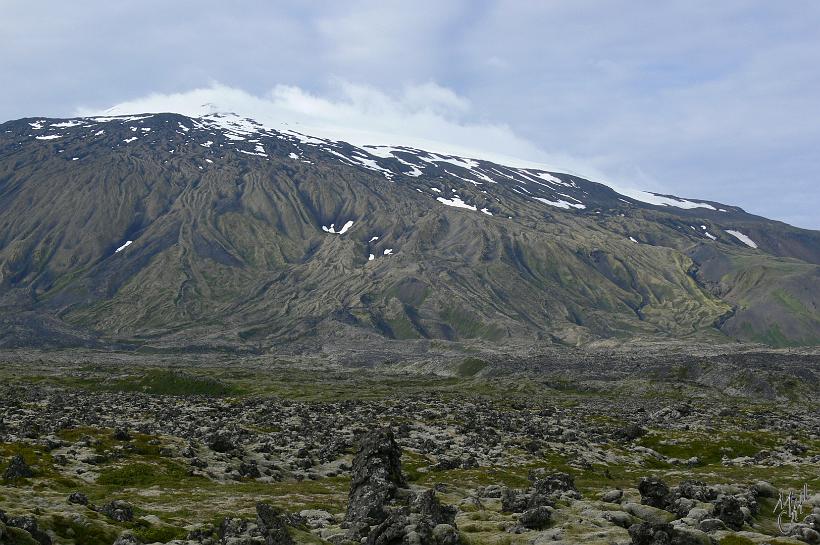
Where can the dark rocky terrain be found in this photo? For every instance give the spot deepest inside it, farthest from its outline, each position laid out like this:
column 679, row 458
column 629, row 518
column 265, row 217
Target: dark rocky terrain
column 160, row 231
column 635, row 446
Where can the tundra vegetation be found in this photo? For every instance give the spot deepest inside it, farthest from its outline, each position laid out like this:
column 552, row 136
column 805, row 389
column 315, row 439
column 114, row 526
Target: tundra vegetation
column 669, row 447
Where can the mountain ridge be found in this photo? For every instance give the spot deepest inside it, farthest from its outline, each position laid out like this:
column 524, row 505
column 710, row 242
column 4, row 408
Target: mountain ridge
column 161, row 229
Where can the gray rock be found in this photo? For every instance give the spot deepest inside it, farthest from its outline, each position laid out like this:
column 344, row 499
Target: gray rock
column 513, row 500
column 648, row 513
column 728, row 510
column 612, row 496
column 426, row 504
column 273, row 525
column 316, row 518
column 712, row 525
column 29, row 524
column 17, row 469
column 78, row 498
column 804, row 533
column 765, row 489
column 395, row 529
column 376, row 476
column 445, row 534
column 118, row 510
column 127, row 538
column 654, row 492
column 619, row 518
column 536, row 518
column 647, row 533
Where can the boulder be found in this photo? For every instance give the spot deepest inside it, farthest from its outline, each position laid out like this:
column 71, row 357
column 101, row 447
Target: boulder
column 29, row 524
column 118, row 510
column 121, row 434
column 654, row 492
column 647, row 533
column 711, row 525
column 513, row 500
column 78, row 498
column 221, row 441
column 619, row 518
column 728, row 509
column 127, row 538
column 376, row 476
column 272, row 524
column 612, row 496
column 427, row 505
column 765, row 489
column 17, row 469
column 536, row 518
column 648, row 513
column 445, row 534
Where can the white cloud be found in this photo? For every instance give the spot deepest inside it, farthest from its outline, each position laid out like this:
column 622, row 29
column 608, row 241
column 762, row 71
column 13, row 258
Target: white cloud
column 427, row 116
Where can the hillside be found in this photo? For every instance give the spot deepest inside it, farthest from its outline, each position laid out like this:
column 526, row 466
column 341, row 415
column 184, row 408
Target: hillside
column 165, row 231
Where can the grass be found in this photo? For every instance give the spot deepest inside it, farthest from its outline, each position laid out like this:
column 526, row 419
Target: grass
column 140, row 474
column 709, row 448
column 155, row 485
column 83, row 531
column 172, row 382
column 470, row 367
column 159, row 534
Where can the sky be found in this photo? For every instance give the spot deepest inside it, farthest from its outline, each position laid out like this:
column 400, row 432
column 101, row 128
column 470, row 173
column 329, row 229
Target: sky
column 696, row 98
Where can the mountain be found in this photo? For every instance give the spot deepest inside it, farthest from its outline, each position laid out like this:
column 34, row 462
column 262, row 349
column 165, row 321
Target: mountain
column 167, row 231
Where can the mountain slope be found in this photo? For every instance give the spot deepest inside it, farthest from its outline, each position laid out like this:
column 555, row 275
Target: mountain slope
column 164, row 230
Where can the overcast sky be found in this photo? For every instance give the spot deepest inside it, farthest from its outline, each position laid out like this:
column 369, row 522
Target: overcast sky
column 702, row 99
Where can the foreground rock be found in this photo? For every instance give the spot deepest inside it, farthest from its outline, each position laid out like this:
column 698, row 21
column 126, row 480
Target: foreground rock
column 382, row 510
column 376, row 477
column 17, row 469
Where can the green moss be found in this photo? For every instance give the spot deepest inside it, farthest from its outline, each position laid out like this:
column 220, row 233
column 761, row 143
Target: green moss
column 141, row 474
column 734, row 539
column 402, row 328
column 710, row 448
column 16, row 536
column 468, row 326
column 470, row 367
column 171, row 382
column 83, row 531
column 159, row 534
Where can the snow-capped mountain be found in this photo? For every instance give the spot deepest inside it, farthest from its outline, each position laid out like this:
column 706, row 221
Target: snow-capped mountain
column 225, row 231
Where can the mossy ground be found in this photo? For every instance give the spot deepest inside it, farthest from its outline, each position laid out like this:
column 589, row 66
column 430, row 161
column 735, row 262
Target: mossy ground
column 162, row 487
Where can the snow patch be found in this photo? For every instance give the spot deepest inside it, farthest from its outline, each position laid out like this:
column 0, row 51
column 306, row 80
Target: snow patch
column 742, row 238
column 124, row 246
column 660, row 200
column 49, row 137
column 67, row 124
column 456, row 202
column 345, row 228
column 560, row 203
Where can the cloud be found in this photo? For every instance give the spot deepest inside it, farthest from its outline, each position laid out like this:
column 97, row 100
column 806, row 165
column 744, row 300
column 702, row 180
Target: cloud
column 427, row 116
